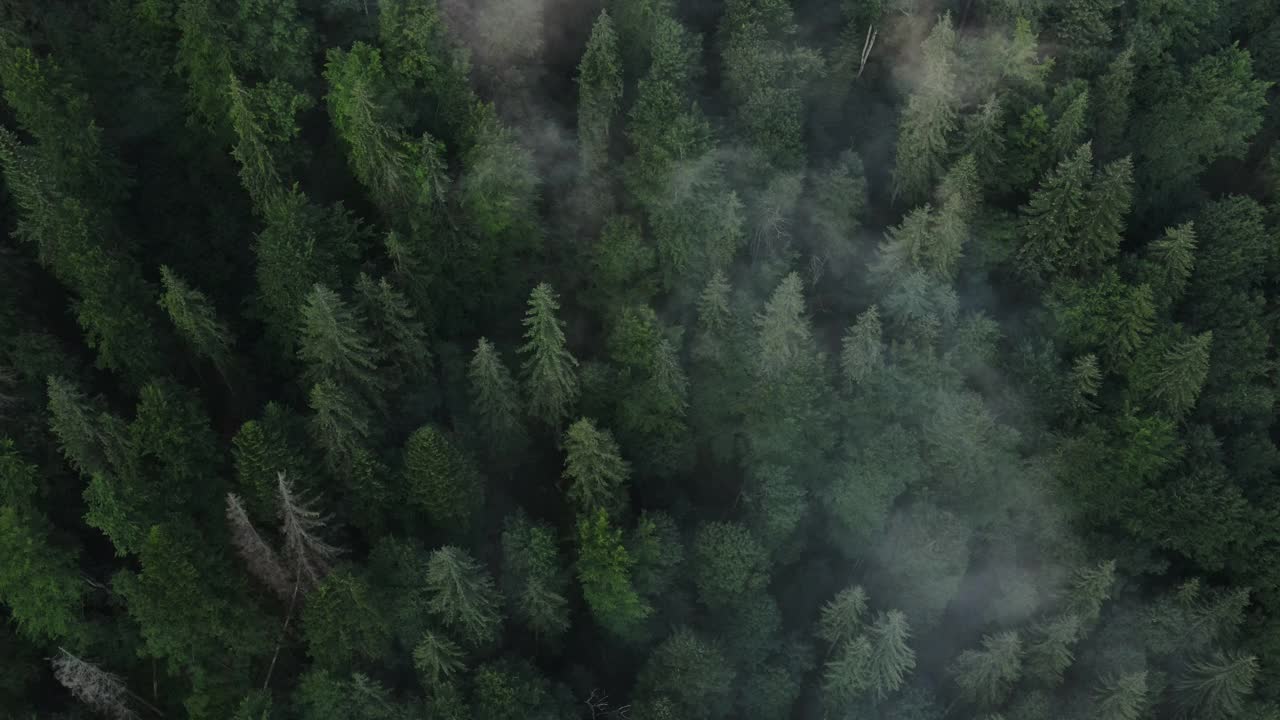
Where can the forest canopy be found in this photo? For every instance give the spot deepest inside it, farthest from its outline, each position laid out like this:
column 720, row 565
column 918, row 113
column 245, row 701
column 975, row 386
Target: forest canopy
column 639, row 359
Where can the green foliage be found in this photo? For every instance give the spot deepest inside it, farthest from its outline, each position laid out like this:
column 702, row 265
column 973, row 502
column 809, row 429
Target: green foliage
column 441, row 480
column 986, row 676
column 495, row 401
column 342, row 621
column 437, row 658
column 728, row 564
column 1121, row 698
column 596, row 473
column 1216, row 686
column 929, row 116
column 461, row 595
column 604, row 569
column 533, row 578
column 549, row 370
column 599, row 95
column 195, row 319
column 41, row 584
column 689, row 673
column 1013, row 372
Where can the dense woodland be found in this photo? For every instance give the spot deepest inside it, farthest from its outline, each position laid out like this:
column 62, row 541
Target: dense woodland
column 639, row 359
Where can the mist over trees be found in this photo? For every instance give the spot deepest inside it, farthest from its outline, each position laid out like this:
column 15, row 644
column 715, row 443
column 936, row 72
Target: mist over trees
column 639, row 359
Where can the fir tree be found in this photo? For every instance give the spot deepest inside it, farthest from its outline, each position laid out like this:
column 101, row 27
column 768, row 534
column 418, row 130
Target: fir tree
column 441, row 480
column 929, row 117
column 729, row 564
column 842, row 616
column 891, row 659
column 437, row 658
column 334, row 344
column 1123, row 697
column 604, row 570
column 461, row 594
column 495, row 401
column 986, row 676
column 1216, row 686
column 549, row 370
column 599, row 95
column 596, row 472
column 195, row 319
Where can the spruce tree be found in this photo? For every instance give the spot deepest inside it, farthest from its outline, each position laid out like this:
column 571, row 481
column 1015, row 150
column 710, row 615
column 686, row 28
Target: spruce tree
column 334, row 344
column 1216, row 686
column 461, row 595
column 986, row 677
column 549, row 370
column 196, row 320
column 1122, row 697
column 495, row 401
column 891, row 659
column 604, row 570
column 596, row 473
column 928, row 118
column 441, row 480
column 599, row 96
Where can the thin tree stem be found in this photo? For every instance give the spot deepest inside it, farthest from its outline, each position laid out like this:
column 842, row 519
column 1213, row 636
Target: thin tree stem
column 284, row 631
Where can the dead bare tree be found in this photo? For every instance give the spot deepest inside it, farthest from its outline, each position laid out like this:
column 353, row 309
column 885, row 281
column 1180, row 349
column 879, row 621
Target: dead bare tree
column 103, row 691
column 307, row 556
column 263, row 562
column 870, row 42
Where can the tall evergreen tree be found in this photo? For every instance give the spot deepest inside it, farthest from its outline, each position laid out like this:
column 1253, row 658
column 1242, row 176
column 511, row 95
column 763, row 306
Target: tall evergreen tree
column 549, row 370
column 929, row 116
column 599, row 95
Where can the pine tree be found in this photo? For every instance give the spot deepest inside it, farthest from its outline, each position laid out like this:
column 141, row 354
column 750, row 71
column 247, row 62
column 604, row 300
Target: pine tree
column 1114, row 104
column 658, row 552
column 196, row 320
column 1216, row 686
column 495, row 401
column 461, row 594
column 594, row 468
column 437, row 658
column 928, row 118
column 1050, row 650
column 1182, row 373
column 776, row 506
column 1056, row 209
column 532, row 577
column 340, row 425
column 334, row 344
column 1169, row 262
column 862, row 349
column 691, row 673
column 1122, row 697
column 729, row 564
column 1090, row 588
column 1086, row 379
column 987, row 676
column 841, row 618
column 550, row 378
column 599, row 95
column 441, row 480
column 405, row 177
column 847, row 676
column 395, row 328
column 891, row 659
column 784, row 338
column 664, row 127
column 604, row 570
column 1108, row 200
